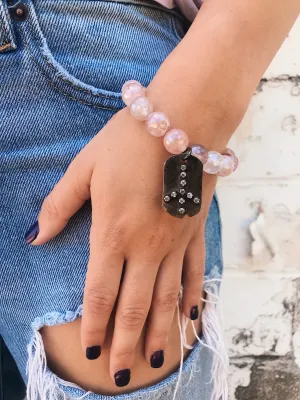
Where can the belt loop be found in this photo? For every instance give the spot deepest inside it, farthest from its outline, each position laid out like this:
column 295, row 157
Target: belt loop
column 7, row 37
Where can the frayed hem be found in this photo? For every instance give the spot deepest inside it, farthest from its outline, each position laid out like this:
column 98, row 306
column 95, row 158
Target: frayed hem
column 212, row 336
column 44, row 385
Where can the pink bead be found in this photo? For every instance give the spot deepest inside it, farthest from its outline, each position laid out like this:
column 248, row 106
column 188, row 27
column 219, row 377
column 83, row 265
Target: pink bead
column 231, row 153
column 131, row 90
column 213, row 163
column 157, row 124
column 227, row 166
column 141, row 108
column 200, row 152
column 176, row 141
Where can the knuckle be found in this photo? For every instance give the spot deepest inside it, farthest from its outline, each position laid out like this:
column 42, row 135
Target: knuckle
column 195, row 273
column 50, row 207
column 109, row 238
column 99, row 300
column 133, row 316
column 80, row 190
column 167, row 301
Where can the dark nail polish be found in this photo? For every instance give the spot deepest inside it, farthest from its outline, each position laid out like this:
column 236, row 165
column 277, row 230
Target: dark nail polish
column 122, row 377
column 32, row 232
column 93, row 352
column 194, row 314
column 157, row 359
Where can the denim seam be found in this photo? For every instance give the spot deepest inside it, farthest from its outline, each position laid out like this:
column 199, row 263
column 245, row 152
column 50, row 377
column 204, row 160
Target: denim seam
column 66, row 81
column 174, row 27
column 55, row 87
column 7, row 43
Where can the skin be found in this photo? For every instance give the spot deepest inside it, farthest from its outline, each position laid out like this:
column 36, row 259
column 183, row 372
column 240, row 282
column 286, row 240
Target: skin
column 223, row 56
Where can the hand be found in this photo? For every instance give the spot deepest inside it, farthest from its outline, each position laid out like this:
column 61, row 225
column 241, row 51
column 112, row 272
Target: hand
column 121, row 171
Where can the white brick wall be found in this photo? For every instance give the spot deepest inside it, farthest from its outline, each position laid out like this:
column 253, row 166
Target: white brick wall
column 260, row 206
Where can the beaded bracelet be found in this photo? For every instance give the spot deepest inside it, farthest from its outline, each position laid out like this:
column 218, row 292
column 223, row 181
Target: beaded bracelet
column 183, row 171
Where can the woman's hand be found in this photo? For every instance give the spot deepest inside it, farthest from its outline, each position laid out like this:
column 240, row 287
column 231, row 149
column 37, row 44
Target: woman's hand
column 121, row 170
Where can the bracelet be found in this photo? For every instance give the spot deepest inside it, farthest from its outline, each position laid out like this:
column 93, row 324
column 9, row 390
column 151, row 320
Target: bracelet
column 183, row 171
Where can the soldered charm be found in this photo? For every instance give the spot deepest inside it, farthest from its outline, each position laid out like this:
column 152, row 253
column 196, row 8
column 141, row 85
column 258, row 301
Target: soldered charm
column 178, row 191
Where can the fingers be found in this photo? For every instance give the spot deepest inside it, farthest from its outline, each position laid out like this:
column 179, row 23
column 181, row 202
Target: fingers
column 101, row 289
column 133, row 306
column 193, row 275
column 67, row 197
column 163, row 306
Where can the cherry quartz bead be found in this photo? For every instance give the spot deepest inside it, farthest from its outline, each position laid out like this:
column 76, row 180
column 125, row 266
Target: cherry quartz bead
column 131, row 90
column 157, row 124
column 141, row 108
column 176, row 141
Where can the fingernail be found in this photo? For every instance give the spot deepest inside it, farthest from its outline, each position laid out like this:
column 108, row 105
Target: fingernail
column 157, row 359
column 122, row 377
column 32, row 232
column 194, row 314
column 93, row 352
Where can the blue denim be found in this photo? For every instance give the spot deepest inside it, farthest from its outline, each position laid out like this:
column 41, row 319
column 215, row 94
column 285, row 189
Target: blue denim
column 61, row 73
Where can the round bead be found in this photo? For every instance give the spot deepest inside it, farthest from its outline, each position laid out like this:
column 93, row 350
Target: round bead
column 157, row 124
column 213, row 163
column 176, row 141
column 182, row 191
column 181, row 210
column 183, row 174
column 181, row 200
column 141, row 108
column 131, row 90
column 227, row 166
column 183, row 168
column 231, row 153
column 200, row 152
column 173, row 194
column 167, row 198
column 183, row 182
column 196, row 200
column 189, row 195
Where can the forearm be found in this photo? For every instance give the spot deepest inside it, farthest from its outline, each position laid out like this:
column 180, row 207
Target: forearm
column 206, row 83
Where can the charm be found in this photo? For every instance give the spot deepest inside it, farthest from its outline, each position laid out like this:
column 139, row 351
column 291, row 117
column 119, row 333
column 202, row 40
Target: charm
column 182, row 185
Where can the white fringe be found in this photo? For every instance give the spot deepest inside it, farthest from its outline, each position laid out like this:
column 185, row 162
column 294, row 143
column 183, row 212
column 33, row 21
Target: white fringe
column 212, row 331
column 42, row 384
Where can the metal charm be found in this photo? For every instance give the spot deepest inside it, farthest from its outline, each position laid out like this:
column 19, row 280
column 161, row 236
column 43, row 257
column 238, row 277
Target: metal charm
column 182, row 185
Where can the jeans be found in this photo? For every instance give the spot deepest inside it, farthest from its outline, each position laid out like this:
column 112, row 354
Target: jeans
column 61, row 71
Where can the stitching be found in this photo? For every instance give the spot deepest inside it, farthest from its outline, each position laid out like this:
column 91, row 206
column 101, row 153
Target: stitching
column 5, row 34
column 5, row 46
column 32, row 31
column 75, row 86
column 59, row 90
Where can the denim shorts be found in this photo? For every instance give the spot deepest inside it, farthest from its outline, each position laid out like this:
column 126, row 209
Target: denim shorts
column 62, row 67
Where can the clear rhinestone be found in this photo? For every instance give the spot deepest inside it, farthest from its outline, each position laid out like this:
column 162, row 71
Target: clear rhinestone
column 183, row 168
column 181, row 210
column 173, row 194
column 181, row 200
column 183, row 182
column 190, row 195
column 196, row 200
column 167, row 198
column 182, row 191
column 183, row 174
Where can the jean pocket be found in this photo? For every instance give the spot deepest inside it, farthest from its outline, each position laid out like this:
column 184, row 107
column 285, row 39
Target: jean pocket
column 88, row 49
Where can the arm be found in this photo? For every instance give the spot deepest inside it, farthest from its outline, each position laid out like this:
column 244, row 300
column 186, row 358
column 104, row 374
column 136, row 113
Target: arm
column 206, row 83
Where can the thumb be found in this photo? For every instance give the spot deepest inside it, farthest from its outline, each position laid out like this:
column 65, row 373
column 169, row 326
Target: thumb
column 66, row 198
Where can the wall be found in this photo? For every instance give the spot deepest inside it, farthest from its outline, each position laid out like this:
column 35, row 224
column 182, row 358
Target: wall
column 260, row 206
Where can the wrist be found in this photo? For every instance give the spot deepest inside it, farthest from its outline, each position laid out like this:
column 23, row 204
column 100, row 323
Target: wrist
column 209, row 121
